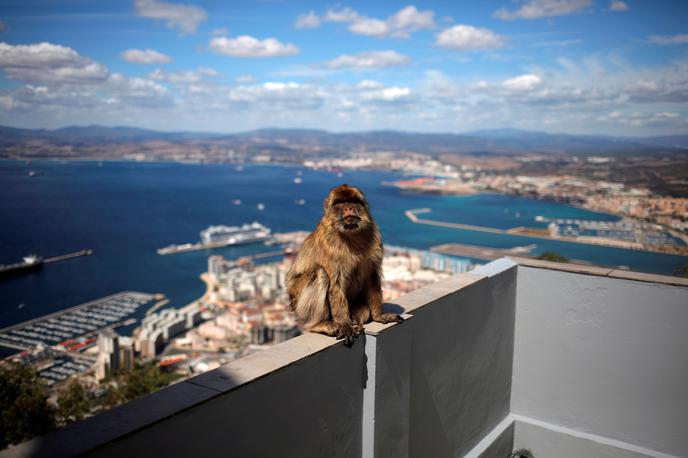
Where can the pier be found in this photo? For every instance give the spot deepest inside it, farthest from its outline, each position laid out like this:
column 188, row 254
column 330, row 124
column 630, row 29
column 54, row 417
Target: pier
column 64, row 257
column 33, row 262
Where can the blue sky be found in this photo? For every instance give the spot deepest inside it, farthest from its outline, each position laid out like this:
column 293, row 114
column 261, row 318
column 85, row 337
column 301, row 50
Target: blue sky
column 574, row 66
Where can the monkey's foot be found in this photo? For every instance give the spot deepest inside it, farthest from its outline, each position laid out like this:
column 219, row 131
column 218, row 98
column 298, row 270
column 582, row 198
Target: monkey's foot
column 358, row 327
column 346, row 332
column 389, row 318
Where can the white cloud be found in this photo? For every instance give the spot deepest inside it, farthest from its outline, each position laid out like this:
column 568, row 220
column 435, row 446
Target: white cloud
column 247, row 46
column 185, row 18
column 244, row 79
column 369, row 59
column 388, row 94
column 669, row 39
column 182, row 77
column 308, row 20
column 469, row 38
column 139, row 91
column 145, row 56
column 523, row 83
column 290, row 95
column 49, row 63
column 618, row 5
column 399, row 25
column 341, row 15
column 370, row 27
column 534, row 9
column 367, row 85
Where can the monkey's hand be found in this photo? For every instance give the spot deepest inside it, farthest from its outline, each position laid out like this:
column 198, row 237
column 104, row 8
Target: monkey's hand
column 389, row 318
column 347, row 332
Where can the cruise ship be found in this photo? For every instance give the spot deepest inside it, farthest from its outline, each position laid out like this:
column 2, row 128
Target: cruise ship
column 235, row 235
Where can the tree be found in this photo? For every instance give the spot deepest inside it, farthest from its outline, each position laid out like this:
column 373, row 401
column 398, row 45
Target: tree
column 73, row 402
column 24, row 408
column 552, row 256
column 144, row 379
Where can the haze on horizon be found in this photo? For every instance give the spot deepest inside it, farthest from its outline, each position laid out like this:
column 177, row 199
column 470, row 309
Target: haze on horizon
column 571, row 66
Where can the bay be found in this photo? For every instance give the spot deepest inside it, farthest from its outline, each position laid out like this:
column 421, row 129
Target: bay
column 125, row 211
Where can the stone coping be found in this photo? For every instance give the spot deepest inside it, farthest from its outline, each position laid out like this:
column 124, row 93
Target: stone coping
column 601, row 271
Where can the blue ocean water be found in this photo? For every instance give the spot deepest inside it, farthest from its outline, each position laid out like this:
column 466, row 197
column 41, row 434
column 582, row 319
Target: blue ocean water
column 124, row 211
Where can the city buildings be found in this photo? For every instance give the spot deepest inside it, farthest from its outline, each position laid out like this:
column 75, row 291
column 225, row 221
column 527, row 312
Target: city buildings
column 158, row 328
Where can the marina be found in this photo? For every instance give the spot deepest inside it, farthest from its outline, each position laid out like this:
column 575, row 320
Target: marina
column 67, row 326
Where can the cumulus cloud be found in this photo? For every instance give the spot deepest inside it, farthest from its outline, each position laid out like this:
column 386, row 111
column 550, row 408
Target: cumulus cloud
column 534, row 9
column 139, row 91
column 345, row 14
column 669, row 39
column 369, row 59
column 290, row 95
column 145, row 56
column 388, row 94
column 399, row 25
column 469, row 38
column 49, row 63
column 618, row 5
column 367, row 85
column 185, row 18
column 185, row 76
column 248, row 46
column 308, row 20
column 523, row 83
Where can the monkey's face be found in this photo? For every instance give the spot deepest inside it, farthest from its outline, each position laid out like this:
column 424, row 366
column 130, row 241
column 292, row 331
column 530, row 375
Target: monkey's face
column 348, row 209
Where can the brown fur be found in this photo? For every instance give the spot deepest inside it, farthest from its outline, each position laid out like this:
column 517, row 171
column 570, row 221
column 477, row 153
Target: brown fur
column 335, row 283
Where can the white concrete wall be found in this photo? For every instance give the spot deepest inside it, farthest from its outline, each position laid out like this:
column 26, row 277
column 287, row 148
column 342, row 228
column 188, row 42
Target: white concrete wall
column 603, row 356
column 443, row 378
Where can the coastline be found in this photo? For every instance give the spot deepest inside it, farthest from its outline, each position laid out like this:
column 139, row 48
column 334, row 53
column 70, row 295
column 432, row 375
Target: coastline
column 536, row 233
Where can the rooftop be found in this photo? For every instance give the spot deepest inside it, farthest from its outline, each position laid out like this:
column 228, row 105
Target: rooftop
column 563, row 360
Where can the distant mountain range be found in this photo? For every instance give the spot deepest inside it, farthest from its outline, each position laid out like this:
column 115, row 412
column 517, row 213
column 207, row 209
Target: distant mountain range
column 498, row 141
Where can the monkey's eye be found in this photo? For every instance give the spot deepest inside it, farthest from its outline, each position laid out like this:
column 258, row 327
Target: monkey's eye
column 347, row 201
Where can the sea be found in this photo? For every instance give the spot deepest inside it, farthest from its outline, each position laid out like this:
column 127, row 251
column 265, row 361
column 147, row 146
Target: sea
column 125, row 211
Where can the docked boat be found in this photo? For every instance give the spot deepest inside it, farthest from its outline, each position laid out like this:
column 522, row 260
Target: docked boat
column 235, row 235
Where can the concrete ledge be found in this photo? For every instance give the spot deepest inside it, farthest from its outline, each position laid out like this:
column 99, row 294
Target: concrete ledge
column 600, row 271
column 257, row 365
column 423, row 296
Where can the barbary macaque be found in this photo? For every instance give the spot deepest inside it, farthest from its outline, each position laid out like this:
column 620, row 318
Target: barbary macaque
column 335, row 283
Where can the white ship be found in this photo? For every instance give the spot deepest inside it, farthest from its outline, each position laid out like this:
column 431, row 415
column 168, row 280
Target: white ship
column 235, row 235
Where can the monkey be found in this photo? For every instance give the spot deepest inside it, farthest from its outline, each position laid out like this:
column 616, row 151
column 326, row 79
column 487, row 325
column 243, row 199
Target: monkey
column 335, row 282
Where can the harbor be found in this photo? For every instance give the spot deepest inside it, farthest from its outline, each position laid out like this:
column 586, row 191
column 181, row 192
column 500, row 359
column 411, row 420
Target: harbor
column 74, row 328
column 617, row 235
